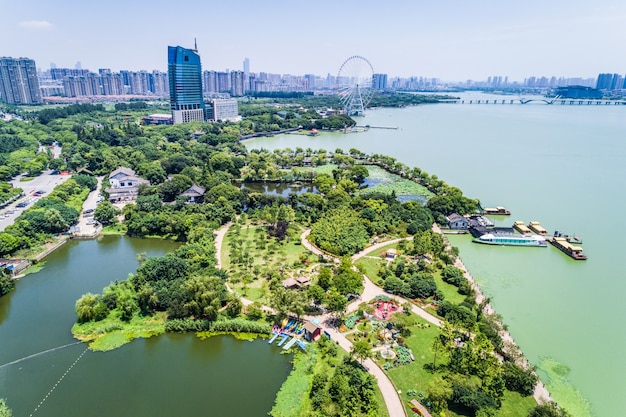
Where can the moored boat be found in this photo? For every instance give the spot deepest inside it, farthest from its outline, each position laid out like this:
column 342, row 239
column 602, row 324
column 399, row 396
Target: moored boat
column 537, row 228
column 497, row 211
column 521, row 227
column 511, row 240
column 575, row 252
column 570, row 238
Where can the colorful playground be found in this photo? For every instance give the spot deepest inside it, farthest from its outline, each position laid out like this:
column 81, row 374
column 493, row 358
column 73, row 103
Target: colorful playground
column 384, row 309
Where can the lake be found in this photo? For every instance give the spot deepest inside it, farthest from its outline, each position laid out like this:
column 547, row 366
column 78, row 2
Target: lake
column 167, row 375
column 564, row 166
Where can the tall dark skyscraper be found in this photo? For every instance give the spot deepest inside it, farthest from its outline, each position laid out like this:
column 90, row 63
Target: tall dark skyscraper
column 185, row 76
column 18, row 81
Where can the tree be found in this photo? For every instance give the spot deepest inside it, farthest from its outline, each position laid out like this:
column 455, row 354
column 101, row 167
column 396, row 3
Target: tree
column 336, row 303
column 517, row 378
column 170, row 189
column 316, row 293
column 85, row 307
column 550, row 409
column 361, row 350
column 55, row 221
column 325, row 278
column 5, row 411
column 6, row 283
column 8, row 243
column 439, row 392
column 340, row 231
column 106, row 213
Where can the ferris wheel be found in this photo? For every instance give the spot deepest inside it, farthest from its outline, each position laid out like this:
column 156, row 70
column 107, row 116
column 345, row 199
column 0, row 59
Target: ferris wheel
column 354, row 85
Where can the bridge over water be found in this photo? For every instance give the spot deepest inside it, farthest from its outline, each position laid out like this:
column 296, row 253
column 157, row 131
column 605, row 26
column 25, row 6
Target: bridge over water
column 549, row 101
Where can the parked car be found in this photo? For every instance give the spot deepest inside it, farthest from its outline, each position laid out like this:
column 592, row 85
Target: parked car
column 88, row 211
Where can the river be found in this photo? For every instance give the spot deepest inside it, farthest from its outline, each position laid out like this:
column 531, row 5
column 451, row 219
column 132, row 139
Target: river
column 564, row 166
column 168, row 375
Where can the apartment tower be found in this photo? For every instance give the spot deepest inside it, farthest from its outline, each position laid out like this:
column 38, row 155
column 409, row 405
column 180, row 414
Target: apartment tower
column 185, row 77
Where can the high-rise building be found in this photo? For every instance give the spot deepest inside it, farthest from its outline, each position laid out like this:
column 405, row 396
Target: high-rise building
column 185, row 75
column 246, row 67
column 237, row 83
column 18, row 81
column 223, row 109
column 379, row 81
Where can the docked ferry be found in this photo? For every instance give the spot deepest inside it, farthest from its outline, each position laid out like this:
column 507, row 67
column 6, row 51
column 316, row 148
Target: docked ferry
column 512, row 240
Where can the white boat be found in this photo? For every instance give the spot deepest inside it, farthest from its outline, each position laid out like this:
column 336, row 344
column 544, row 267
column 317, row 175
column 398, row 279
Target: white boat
column 512, row 240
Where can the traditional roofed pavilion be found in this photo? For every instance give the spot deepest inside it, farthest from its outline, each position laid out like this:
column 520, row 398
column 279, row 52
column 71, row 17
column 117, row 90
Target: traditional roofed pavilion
column 194, row 194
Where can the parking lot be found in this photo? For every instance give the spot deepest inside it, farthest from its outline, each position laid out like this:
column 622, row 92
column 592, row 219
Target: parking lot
column 33, row 189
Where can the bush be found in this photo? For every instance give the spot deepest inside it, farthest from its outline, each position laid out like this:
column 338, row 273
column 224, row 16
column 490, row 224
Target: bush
column 519, row 379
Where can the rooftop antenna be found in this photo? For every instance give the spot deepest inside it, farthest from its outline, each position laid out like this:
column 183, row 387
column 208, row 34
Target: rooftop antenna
column 195, row 45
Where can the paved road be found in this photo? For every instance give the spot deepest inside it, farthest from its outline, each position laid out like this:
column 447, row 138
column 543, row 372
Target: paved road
column 46, row 182
column 86, row 226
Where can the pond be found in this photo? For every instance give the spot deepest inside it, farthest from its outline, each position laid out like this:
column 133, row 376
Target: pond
column 44, row 370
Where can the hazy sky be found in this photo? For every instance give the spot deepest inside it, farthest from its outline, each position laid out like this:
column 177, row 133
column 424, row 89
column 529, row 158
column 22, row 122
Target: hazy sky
column 448, row 39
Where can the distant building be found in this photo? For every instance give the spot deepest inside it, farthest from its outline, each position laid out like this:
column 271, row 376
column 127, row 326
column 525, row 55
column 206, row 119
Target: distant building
column 223, row 109
column 157, row 119
column 18, row 81
column 379, row 81
column 237, row 83
column 610, row 82
column 124, row 185
column 185, row 78
column 577, row 91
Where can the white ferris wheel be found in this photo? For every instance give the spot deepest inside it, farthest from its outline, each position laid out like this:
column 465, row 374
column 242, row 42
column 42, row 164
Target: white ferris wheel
column 354, row 85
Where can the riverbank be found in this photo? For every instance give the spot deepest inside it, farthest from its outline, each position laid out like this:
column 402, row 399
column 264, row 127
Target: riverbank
column 540, row 393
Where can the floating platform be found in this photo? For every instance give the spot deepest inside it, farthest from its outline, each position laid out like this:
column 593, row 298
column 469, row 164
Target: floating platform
column 284, row 338
column 521, row 227
column 290, row 343
column 574, row 252
column 537, row 228
column 576, row 240
column 497, row 211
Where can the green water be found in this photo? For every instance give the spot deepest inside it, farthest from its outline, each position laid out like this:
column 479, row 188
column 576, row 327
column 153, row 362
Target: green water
column 168, row 375
column 564, row 166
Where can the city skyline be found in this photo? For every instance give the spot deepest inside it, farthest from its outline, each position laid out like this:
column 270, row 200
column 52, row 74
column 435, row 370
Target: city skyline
column 451, row 40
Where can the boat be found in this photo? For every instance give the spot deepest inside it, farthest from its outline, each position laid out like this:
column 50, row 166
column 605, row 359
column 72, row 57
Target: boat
column 571, row 239
column 575, row 252
column 512, row 239
column 537, row 228
column 521, row 227
column 497, row 211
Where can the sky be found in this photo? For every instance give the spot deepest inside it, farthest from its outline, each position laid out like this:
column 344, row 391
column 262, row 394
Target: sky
column 452, row 40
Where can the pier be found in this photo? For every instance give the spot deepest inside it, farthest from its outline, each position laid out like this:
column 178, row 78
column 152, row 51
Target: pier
column 377, row 127
column 548, row 101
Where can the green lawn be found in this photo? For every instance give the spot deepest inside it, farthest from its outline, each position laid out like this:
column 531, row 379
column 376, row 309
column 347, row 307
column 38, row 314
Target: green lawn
column 371, row 267
column 450, row 292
